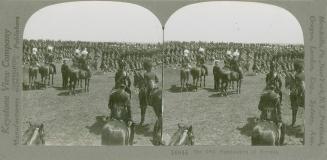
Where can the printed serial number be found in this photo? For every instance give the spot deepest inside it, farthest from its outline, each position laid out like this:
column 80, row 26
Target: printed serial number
column 179, row 152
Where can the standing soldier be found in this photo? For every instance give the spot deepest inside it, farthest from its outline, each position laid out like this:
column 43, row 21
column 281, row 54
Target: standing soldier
column 64, row 74
column 297, row 94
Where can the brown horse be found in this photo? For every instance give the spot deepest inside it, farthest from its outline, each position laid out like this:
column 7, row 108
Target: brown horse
column 184, row 78
column 267, row 133
column 34, row 135
column 86, row 76
column 47, row 71
column 116, row 132
column 224, row 78
column 198, row 74
column 155, row 99
column 32, row 75
column 183, row 136
column 73, row 75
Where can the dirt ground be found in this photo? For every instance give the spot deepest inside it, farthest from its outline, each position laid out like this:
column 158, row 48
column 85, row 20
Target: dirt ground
column 221, row 120
column 73, row 120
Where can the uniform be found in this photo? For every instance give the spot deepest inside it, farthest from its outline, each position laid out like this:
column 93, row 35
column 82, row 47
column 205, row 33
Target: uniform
column 273, row 78
column 297, row 94
column 120, row 106
column 270, row 99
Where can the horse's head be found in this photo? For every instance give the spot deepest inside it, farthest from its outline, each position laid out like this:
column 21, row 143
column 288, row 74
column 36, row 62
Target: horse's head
column 183, row 136
column 34, row 134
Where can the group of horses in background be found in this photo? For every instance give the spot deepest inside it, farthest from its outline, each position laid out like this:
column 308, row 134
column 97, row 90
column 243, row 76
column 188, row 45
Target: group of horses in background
column 74, row 76
column 198, row 74
column 46, row 71
column 224, row 78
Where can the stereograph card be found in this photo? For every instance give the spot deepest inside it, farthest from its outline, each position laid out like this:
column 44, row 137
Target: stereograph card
column 156, row 79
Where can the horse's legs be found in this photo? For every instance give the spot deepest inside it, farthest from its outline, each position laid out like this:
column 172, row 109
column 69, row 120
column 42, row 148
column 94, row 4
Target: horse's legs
column 240, row 84
column 85, row 84
column 29, row 81
column 294, row 113
column 88, row 84
column 52, row 79
column 49, row 79
column 181, row 84
column 143, row 111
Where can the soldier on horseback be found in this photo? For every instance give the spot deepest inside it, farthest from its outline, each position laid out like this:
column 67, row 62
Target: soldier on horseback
column 120, row 107
column 270, row 108
column 49, row 58
column 122, row 78
column 34, row 61
column 201, row 60
column 76, row 58
column 186, row 61
column 274, row 79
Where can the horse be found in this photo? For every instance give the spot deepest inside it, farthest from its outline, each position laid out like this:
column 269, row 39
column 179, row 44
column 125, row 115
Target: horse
column 198, row 73
column 184, row 78
column 236, row 76
column 34, row 135
column 154, row 100
column 46, row 71
column 183, row 136
column 267, row 133
column 116, row 132
column 86, row 76
column 226, row 77
column 73, row 75
column 32, row 75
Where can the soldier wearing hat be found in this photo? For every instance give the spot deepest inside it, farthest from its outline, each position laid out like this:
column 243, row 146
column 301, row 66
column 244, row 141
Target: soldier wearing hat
column 49, row 58
column 120, row 106
column 34, row 58
column 201, row 60
column 297, row 94
column 274, row 79
column 122, row 78
column 151, row 79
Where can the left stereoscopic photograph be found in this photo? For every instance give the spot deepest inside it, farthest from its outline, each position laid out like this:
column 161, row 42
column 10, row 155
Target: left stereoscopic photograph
column 92, row 75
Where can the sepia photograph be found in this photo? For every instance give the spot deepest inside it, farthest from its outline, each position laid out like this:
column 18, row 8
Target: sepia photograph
column 233, row 75
column 92, row 75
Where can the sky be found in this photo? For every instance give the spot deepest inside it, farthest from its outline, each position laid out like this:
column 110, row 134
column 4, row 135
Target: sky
column 123, row 22
column 94, row 21
column 234, row 22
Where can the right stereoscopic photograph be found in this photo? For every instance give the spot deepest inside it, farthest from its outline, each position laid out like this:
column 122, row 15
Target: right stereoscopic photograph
column 233, row 75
